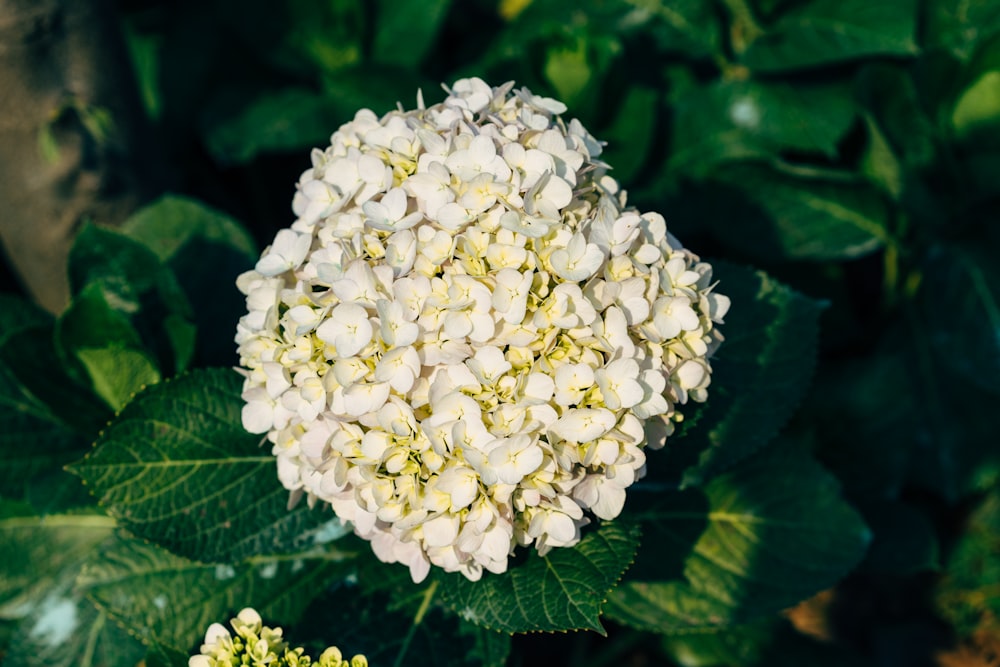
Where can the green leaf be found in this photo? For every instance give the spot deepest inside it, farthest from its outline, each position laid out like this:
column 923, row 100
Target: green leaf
column 132, row 282
column 790, row 215
column 770, row 351
column 976, row 116
column 405, row 30
column 879, row 163
column 125, row 269
column 118, row 372
column 732, row 120
column 67, row 630
column 162, row 598
column 171, row 222
column 144, row 54
column 177, row 468
column 40, row 558
column 182, row 335
column 562, row 591
column 102, row 349
column 568, row 69
column 762, row 537
column 35, row 551
column 969, row 595
column 826, row 32
column 183, row 232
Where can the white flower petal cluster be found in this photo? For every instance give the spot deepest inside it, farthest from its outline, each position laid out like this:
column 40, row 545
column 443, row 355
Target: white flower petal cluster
column 459, row 342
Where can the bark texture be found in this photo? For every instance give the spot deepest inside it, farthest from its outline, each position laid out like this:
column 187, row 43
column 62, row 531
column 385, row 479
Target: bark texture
column 63, row 66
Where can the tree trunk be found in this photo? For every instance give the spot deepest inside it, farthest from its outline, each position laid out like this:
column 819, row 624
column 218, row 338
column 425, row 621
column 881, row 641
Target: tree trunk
column 69, row 122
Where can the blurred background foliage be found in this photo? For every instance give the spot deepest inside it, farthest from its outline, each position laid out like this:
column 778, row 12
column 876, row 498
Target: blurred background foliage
column 850, row 148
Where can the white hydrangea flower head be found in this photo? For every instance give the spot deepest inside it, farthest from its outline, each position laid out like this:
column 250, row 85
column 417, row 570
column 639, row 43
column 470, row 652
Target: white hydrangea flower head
column 462, row 339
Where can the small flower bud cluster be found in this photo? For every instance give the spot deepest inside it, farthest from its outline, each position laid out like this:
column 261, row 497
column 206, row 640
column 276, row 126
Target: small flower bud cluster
column 462, row 338
column 256, row 645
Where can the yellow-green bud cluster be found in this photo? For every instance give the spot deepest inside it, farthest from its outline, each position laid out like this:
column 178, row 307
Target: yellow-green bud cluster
column 256, row 645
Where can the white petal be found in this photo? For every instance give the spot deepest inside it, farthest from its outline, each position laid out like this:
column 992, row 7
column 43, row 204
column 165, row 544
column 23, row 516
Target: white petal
column 441, row 531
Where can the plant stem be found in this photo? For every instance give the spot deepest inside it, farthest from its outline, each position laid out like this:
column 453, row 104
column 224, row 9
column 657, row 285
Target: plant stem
column 417, row 620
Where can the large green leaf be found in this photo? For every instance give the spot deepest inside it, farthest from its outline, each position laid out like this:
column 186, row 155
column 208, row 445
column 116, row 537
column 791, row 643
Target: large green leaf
column 40, row 558
column 67, row 630
column 562, row 591
column 736, row 119
column 162, row 598
column 760, row 538
column 405, row 30
column 34, row 552
column 177, row 468
column 825, row 32
column 784, row 214
column 759, row 374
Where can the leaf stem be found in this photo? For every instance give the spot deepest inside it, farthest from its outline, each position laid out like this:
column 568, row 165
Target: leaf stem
column 417, row 620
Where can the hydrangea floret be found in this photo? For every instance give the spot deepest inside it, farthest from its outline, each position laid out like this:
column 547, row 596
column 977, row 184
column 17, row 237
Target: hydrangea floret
column 467, row 339
column 256, row 645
